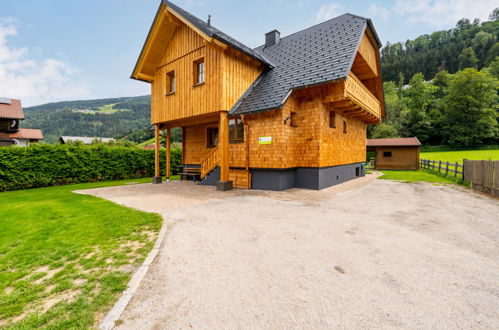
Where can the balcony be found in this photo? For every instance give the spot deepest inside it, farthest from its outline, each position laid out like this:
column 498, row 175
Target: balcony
column 355, row 100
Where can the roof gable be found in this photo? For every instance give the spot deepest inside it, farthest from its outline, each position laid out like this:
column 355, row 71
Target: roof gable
column 168, row 17
column 320, row 54
column 394, row 142
column 12, row 110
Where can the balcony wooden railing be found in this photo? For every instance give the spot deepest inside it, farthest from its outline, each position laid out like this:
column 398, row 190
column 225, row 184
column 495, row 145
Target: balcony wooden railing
column 209, row 162
column 359, row 94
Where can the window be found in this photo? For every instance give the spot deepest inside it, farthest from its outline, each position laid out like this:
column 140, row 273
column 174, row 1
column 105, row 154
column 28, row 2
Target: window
column 170, row 80
column 387, row 153
column 345, row 127
column 332, row 119
column 293, row 119
column 236, row 130
column 199, row 72
column 212, row 137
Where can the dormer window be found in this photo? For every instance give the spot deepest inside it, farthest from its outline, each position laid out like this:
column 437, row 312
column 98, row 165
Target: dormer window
column 170, row 81
column 199, row 71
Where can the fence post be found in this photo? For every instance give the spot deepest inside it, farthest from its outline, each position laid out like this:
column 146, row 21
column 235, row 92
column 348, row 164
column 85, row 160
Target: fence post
column 439, row 166
column 446, row 168
column 456, row 169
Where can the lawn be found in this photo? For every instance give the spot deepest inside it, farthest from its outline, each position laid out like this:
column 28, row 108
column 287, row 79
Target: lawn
column 458, row 156
column 64, row 257
column 416, row 176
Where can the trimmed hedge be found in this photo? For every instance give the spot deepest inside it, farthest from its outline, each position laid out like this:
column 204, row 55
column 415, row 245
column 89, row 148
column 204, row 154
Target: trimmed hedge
column 45, row 165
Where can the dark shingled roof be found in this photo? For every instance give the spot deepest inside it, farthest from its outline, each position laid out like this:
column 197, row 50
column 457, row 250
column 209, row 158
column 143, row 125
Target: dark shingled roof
column 317, row 55
column 219, row 35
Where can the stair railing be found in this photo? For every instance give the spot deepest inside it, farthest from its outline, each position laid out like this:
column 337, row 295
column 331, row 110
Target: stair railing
column 209, row 162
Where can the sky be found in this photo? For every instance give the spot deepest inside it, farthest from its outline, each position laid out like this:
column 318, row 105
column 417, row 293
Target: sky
column 58, row 50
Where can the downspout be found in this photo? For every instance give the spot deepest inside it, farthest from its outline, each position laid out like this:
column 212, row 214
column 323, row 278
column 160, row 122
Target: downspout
column 246, row 142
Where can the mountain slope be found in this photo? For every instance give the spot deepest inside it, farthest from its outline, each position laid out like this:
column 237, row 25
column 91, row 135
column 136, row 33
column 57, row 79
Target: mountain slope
column 114, row 117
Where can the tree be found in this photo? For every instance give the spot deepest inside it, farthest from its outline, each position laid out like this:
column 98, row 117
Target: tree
column 418, row 99
column 493, row 68
column 467, row 59
column 494, row 15
column 471, row 109
column 383, row 131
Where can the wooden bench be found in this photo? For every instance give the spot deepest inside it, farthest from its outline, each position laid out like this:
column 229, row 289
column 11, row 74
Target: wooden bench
column 190, row 172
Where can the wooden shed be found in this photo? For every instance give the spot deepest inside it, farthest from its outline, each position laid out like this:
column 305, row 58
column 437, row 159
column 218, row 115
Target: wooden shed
column 396, row 153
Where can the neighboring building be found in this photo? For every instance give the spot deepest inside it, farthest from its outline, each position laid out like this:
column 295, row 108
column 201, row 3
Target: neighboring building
column 11, row 114
column 84, row 139
column 290, row 113
column 395, row 154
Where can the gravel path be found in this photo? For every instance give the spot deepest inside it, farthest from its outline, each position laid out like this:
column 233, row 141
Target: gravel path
column 365, row 254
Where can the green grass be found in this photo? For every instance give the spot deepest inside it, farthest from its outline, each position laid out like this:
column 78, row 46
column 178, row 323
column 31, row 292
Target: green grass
column 458, row 156
column 416, row 176
column 109, row 108
column 64, row 257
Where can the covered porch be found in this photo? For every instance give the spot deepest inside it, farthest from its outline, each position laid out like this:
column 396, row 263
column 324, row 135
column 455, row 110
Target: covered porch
column 205, row 147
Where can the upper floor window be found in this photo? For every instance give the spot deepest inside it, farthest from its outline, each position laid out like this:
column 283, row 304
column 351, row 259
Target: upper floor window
column 345, row 127
column 170, row 81
column 332, row 119
column 236, row 130
column 292, row 117
column 199, row 72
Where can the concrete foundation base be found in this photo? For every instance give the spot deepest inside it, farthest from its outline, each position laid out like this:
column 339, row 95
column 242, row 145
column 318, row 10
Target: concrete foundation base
column 157, row 180
column 224, row 185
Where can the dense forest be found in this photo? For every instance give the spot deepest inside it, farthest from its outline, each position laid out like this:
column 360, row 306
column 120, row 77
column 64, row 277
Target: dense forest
column 443, row 87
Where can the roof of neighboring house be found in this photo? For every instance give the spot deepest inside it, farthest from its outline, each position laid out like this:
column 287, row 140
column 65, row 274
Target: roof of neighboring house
column 23, row 133
column 213, row 32
column 395, row 142
column 320, row 54
column 11, row 109
column 85, row 139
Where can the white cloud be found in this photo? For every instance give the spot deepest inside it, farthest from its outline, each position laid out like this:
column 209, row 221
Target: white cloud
column 34, row 81
column 376, row 10
column 328, row 11
column 441, row 13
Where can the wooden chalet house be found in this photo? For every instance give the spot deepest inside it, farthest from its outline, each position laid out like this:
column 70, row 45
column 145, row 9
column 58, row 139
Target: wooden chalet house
column 290, row 113
column 11, row 114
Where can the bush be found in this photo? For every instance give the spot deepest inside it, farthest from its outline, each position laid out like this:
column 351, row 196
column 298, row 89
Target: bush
column 45, row 165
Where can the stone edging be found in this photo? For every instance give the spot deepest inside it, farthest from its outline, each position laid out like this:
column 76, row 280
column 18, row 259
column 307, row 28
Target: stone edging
column 119, row 307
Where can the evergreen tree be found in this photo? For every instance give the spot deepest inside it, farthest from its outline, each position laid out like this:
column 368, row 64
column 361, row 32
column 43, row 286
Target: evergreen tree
column 467, row 59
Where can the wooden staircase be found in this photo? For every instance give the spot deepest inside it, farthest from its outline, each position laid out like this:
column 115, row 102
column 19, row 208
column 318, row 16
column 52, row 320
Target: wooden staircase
column 209, row 162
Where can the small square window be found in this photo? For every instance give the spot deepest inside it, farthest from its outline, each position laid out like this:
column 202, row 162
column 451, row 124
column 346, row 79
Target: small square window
column 332, row 119
column 387, row 153
column 199, row 72
column 236, row 130
column 345, row 127
column 170, row 82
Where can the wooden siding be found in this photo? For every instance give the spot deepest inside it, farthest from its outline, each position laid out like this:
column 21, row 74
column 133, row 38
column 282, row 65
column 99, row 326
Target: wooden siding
column 240, row 178
column 195, row 143
column 368, row 52
column 228, row 74
column 403, row 158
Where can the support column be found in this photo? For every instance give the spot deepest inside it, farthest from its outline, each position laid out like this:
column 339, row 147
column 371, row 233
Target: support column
column 168, row 166
column 223, row 145
column 157, row 177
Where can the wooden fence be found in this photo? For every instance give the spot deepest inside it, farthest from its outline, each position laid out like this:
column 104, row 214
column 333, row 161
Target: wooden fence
column 443, row 167
column 483, row 175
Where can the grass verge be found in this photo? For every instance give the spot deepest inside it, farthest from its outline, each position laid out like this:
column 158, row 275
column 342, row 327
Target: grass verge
column 64, row 257
column 418, row 176
column 458, row 156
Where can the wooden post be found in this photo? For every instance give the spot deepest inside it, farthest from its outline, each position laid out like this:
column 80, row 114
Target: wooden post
column 223, row 146
column 168, row 165
column 157, row 178
column 439, row 165
column 447, row 168
column 455, row 173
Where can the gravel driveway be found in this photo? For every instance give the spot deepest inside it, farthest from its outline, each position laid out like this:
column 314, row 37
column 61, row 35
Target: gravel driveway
column 365, row 254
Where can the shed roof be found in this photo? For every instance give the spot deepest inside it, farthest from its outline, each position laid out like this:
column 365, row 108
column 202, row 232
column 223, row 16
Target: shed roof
column 317, row 55
column 394, row 142
column 11, row 109
column 23, row 133
column 85, row 139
